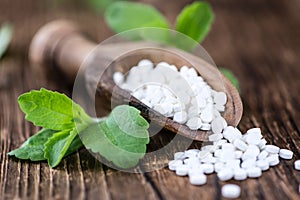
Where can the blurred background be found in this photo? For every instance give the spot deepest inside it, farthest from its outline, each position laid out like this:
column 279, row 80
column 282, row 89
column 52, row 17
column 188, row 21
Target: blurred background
column 244, row 34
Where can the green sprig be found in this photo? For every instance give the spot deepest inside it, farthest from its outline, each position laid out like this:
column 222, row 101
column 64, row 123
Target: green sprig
column 63, row 121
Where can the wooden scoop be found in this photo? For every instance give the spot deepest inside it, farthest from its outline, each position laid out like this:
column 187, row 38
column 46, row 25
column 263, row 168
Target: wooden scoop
column 60, row 44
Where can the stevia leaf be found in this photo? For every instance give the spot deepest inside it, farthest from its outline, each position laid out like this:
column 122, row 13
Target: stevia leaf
column 6, row 33
column 33, row 148
column 228, row 74
column 195, row 20
column 74, row 146
column 118, row 120
column 57, row 146
column 51, row 110
column 122, row 16
column 121, row 148
column 99, row 139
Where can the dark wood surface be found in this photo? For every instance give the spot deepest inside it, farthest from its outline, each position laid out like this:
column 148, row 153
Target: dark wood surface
column 258, row 40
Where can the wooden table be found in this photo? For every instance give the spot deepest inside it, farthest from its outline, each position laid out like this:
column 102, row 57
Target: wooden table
column 257, row 39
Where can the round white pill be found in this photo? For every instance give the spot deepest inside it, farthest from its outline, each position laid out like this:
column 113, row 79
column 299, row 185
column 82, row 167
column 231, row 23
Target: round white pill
column 205, row 126
column 190, row 153
column 240, row 174
column 161, row 109
column 254, row 131
column 177, row 107
column 229, row 133
column 220, row 98
column 118, row 78
column 237, row 133
column 173, row 67
column 168, row 105
column 207, row 168
column 225, row 174
column 297, row 164
column 254, row 172
column 219, row 108
column 208, row 147
column 262, row 144
column 191, row 111
column 145, row 63
column 182, row 170
column 183, row 69
column 194, row 123
column 218, row 166
column 248, row 163
column 240, row 144
column 272, row 148
column 228, row 146
column 170, row 100
column 218, row 153
column 200, row 101
column 195, row 90
column 217, row 114
column 204, row 152
column 180, row 117
column 209, row 159
column 207, row 115
column 244, row 137
column 191, row 72
column 157, row 97
column 273, row 159
column 227, row 155
column 262, row 155
column 254, row 137
column 233, row 164
column 238, row 154
column 231, row 191
column 250, row 153
column 215, row 137
column 197, row 179
column 195, row 170
column 286, row 154
column 191, row 162
column 262, row 164
column 162, row 65
column 218, row 124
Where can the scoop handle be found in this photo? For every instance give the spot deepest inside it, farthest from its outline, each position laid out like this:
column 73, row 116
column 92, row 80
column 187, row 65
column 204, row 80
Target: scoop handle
column 60, row 44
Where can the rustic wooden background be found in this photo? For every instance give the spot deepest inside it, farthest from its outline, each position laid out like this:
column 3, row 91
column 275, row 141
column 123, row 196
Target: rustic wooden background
column 257, row 39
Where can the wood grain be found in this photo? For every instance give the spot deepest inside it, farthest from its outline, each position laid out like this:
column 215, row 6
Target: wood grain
column 258, row 40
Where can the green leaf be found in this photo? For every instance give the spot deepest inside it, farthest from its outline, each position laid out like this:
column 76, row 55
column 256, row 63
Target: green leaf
column 33, row 148
column 111, row 141
column 228, row 74
column 122, row 16
column 51, row 110
column 195, row 20
column 118, row 119
column 6, row 32
column 74, row 146
column 57, row 146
